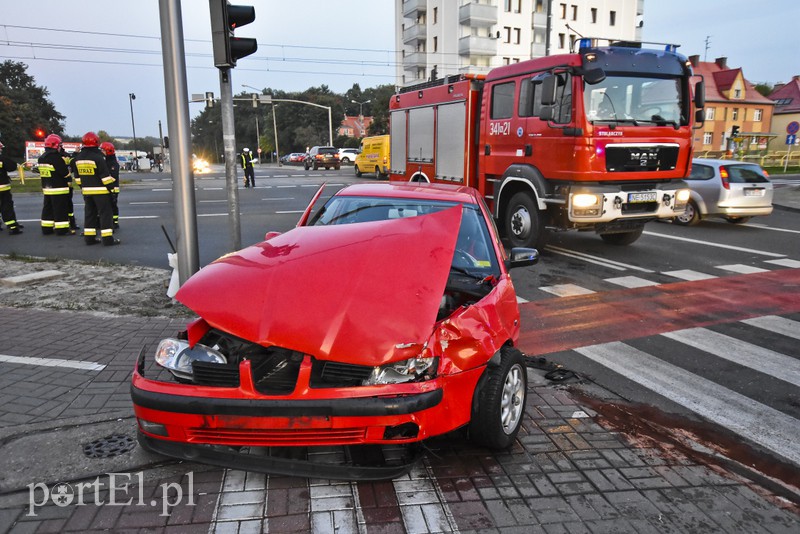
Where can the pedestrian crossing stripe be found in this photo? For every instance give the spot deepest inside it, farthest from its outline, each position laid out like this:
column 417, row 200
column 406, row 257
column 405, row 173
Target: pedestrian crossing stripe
column 776, row 324
column 742, row 269
column 631, row 281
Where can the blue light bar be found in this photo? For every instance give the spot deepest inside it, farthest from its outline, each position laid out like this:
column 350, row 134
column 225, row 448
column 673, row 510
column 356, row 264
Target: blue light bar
column 671, row 48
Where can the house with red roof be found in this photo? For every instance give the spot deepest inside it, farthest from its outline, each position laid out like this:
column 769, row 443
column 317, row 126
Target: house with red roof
column 731, row 101
column 787, row 110
column 354, row 126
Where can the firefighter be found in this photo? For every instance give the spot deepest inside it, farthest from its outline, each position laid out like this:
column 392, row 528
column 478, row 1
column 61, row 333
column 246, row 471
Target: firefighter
column 96, row 184
column 56, row 180
column 113, row 167
column 6, row 199
column 247, row 165
column 73, row 226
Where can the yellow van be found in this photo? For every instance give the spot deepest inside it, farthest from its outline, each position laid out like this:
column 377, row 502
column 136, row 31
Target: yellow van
column 374, row 156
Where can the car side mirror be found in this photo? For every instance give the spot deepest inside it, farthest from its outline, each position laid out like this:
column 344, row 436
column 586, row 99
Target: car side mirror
column 522, row 257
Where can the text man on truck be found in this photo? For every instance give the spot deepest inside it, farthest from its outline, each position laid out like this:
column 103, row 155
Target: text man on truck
column 598, row 140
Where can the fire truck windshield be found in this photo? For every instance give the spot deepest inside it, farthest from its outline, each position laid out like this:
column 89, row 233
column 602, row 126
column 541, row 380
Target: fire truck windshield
column 635, row 100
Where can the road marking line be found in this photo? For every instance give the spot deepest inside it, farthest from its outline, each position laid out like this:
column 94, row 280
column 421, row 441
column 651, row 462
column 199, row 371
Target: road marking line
column 566, row 290
column 285, row 186
column 688, row 274
column 765, row 227
column 774, row 323
column 149, row 202
column 742, row 269
column 167, row 189
column 740, row 352
column 290, row 211
column 53, row 362
column 521, row 300
column 595, row 259
column 213, row 188
column 753, row 420
column 631, row 282
column 785, row 263
column 212, row 214
column 214, row 201
column 138, row 217
column 279, row 198
column 719, row 245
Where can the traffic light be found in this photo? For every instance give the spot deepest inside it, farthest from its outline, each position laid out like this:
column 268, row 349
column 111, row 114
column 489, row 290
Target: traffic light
column 734, row 131
column 225, row 18
column 166, row 142
column 38, row 133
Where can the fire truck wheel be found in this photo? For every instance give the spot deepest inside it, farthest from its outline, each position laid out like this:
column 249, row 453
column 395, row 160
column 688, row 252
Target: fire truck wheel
column 357, row 171
column 690, row 217
column 501, row 402
column 524, row 223
column 625, row 238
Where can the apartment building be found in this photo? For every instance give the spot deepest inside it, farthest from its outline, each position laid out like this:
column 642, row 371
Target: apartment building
column 436, row 38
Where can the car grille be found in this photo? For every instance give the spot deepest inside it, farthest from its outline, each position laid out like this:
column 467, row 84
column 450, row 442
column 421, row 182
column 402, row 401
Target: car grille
column 630, row 158
column 273, row 437
column 215, row 374
column 276, row 373
column 325, row 374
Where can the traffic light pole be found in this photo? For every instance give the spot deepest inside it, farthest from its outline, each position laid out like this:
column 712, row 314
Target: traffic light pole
column 229, row 149
column 178, row 125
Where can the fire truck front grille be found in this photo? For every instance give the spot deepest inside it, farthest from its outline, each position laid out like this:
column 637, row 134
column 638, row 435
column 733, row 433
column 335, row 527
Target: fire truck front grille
column 632, row 158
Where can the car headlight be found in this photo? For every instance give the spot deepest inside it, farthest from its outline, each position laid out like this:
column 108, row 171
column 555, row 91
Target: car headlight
column 585, row 200
column 177, row 356
column 682, row 196
column 402, row 371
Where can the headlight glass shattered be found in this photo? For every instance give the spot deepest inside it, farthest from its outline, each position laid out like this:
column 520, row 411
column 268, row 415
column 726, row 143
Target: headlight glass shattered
column 409, row 370
column 177, row 356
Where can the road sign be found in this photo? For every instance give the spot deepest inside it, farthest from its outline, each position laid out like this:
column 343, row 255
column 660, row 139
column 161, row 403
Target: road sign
column 259, row 150
column 791, row 139
column 793, row 127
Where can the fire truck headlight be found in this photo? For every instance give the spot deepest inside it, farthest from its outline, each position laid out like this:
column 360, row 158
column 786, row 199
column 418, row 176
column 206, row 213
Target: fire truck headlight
column 682, row 196
column 585, row 200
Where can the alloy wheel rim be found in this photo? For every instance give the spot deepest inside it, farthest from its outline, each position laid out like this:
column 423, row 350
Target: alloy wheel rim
column 511, row 405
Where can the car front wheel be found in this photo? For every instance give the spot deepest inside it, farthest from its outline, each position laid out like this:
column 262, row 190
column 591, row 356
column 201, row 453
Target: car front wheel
column 690, row 217
column 357, row 171
column 501, row 402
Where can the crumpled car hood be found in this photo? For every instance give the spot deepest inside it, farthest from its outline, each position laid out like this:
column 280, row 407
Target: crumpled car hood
column 356, row 293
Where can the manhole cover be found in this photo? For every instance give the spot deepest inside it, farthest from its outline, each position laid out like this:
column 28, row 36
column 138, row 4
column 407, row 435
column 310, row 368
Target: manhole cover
column 109, row 446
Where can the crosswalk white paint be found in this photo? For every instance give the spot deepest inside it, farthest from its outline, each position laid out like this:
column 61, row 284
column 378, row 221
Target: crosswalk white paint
column 785, row 262
column 759, row 423
column 741, row 268
column 778, row 325
column 689, row 275
column 566, row 290
column 740, row 352
column 631, row 282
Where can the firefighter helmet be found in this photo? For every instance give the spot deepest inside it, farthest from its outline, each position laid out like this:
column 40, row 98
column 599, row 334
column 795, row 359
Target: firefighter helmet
column 90, row 139
column 107, row 148
column 52, row 141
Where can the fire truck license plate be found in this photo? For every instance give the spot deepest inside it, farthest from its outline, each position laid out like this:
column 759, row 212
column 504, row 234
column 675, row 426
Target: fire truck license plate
column 634, row 198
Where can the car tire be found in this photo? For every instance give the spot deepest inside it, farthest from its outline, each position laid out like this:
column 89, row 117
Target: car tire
column 690, row 217
column 345, row 161
column 737, row 220
column 500, row 402
column 524, row 223
column 306, row 166
column 338, row 167
column 357, row 171
column 623, row 239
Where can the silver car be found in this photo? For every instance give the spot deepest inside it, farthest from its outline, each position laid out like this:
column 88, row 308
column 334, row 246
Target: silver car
column 733, row 190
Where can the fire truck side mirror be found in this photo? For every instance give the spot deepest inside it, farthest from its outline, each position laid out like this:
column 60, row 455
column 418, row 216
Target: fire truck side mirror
column 700, row 94
column 594, row 76
column 548, row 90
column 547, row 113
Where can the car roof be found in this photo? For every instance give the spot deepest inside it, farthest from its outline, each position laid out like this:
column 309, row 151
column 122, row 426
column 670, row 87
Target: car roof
column 425, row 191
column 719, row 162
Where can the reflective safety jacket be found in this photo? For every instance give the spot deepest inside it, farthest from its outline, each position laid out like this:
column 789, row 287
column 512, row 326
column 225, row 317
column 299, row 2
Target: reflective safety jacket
column 7, row 165
column 113, row 169
column 54, row 172
column 91, row 172
column 247, row 159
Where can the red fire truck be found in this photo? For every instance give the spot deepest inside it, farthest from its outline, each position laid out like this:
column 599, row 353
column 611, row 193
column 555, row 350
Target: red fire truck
column 597, row 140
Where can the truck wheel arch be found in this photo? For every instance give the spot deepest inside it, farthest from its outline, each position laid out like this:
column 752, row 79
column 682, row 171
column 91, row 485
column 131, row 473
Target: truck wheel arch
column 420, row 177
column 520, row 178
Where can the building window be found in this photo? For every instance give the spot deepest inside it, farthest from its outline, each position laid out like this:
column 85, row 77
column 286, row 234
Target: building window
column 709, row 114
column 507, row 6
column 594, row 15
column 561, row 38
column 506, row 61
column 572, row 39
column 517, row 35
column 574, row 12
column 508, row 33
column 539, row 6
column 735, row 115
column 435, row 43
column 737, row 93
column 435, row 15
column 563, row 11
column 612, row 18
column 708, row 138
column 757, row 114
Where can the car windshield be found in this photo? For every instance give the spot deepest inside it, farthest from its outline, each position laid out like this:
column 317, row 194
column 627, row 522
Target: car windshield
column 634, row 100
column 474, row 254
column 745, row 174
column 328, row 150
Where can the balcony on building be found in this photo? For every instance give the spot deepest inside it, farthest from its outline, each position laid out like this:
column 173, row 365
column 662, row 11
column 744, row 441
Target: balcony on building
column 477, row 46
column 415, row 33
column 412, row 7
column 477, row 15
column 415, row 60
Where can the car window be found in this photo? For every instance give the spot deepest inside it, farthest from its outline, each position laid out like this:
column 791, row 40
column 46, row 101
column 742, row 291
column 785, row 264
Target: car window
column 348, row 210
column 328, row 150
column 700, row 172
column 745, row 174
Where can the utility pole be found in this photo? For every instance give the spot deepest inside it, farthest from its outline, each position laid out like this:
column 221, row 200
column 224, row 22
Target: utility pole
column 229, row 149
column 178, row 125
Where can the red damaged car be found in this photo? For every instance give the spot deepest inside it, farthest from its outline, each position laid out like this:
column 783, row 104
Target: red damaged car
column 386, row 317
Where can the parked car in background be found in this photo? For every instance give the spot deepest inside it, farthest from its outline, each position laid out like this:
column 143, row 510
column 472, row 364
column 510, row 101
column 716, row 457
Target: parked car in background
column 312, row 347
column 733, row 190
column 374, row 156
column 322, row 156
column 347, row 155
column 124, row 163
column 297, row 158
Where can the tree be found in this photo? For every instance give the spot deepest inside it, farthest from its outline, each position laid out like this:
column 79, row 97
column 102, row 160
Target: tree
column 764, row 88
column 24, row 109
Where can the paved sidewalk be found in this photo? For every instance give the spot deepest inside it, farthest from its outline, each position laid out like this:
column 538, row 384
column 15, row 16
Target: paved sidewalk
column 567, row 473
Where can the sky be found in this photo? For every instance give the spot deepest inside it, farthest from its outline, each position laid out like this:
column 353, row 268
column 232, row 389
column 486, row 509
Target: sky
column 91, row 55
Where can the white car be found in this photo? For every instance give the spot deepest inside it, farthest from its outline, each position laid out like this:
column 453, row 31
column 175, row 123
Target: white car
column 347, row 155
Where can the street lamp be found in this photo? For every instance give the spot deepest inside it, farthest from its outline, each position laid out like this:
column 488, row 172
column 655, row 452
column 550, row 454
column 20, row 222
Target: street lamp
column 360, row 106
column 131, row 98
